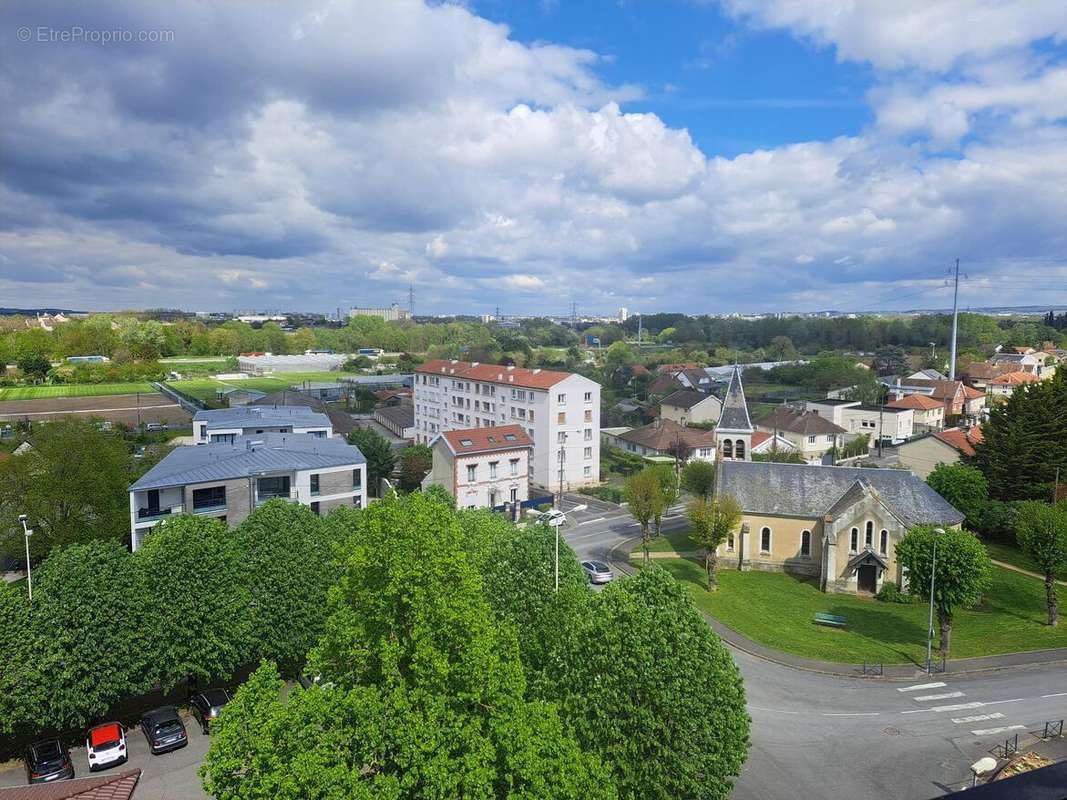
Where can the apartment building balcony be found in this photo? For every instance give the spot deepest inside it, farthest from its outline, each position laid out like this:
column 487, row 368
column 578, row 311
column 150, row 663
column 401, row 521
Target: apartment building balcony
column 148, row 514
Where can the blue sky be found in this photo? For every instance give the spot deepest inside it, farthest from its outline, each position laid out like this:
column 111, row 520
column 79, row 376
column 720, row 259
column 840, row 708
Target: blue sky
column 706, row 156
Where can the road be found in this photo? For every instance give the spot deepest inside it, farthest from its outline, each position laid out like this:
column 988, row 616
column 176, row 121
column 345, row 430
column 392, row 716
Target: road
column 834, row 738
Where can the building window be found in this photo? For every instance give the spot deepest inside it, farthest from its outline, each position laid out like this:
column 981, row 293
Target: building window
column 587, row 452
column 587, row 472
column 588, row 415
column 492, row 470
column 529, row 415
column 589, row 397
column 739, row 449
column 212, row 497
column 561, row 399
column 765, row 540
column 271, row 487
column 357, row 479
column 589, row 434
column 315, row 509
column 561, row 418
column 514, row 464
column 805, row 543
column 357, row 501
column 514, row 494
column 730, row 542
column 472, row 472
column 868, row 534
column 561, row 437
column 811, row 440
column 315, row 484
column 830, row 438
column 854, row 540
column 885, row 542
column 727, row 448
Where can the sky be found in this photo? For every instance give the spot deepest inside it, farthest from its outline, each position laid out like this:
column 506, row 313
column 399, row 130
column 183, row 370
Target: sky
column 703, row 156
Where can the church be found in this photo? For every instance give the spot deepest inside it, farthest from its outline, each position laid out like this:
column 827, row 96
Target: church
column 839, row 525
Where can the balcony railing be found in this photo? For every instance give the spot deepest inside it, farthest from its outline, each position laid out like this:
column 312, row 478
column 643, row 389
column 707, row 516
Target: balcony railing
column 263, row 497
column 153, row 514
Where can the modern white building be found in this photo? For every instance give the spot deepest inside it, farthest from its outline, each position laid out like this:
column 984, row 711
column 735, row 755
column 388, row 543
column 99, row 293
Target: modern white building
column 483, row 467
column 393, row 313
column 268, row 363
column 226, row 480
column 560, row 412
column 225, row 424
column 891, row 424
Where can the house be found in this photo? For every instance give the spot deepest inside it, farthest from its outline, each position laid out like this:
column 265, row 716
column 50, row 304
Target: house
column 392, row 397
column 1028, row 360
column 763, row 443
column 559, row 410
column 398, row 420
column 879, row 423
column 223, row 424
column 483, row 467
column 840, row 525
column 342, row 422
column 238, row 397
column 694, row 378
column 227, row 479
column 688, row 407
column 812, row 434
column 665, row 438
column 664, row 384
column 928, row 374
column 1003, row 386
column 928, row 414
column 980, row 373
column 921, row 455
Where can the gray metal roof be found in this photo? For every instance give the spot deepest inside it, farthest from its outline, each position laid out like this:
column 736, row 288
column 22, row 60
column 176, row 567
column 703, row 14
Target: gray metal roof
column 270, row 416
column 686, row 398
column 734, row 415
column 247, row 456
column 802, row 490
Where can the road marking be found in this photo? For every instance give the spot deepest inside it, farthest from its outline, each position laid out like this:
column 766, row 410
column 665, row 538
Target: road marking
column 598, row 519
column 1058, row 694
column 998, row 702
column 957, row 707
column 919, row 686
column 863, row 714
column 978, row 718
column 773, row 710
column 1004, row 729
column 945, row 696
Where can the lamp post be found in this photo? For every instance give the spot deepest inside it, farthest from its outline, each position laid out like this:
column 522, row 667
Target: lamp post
column 27, row 533
column 930, row 624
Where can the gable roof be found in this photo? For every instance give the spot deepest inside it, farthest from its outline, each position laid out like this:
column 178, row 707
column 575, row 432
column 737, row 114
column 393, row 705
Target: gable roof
column 1013, row 379
column 664, row 383
column 486, row 440
column 734, row 416
column 687, row 398
column 764, row 442
column 803, row 490
column 963, row 441
column 494, row 373
column 970, row 393
column 403, row 416
column 809, row 423
column 247, row 455
column 662, row 435
column 117, row 786
column 919, row 402
column 983, row 371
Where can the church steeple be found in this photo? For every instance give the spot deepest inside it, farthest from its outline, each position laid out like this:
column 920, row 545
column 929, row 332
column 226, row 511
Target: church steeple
column 733, row 433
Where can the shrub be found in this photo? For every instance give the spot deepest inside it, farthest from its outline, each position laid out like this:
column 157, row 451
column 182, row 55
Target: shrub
column 891, row 593
column 612, row 494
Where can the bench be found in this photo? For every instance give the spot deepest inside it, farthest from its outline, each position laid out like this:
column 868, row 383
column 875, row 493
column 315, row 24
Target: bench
column 831, row 620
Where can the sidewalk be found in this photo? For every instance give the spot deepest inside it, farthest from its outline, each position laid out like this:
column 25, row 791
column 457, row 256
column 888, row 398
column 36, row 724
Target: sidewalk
column 1021, row 571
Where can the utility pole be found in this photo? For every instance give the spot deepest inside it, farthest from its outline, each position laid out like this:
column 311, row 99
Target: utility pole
column 640, row 324
column 574, row 316
column 411, row 300
column 955, row 314
column 562, row 454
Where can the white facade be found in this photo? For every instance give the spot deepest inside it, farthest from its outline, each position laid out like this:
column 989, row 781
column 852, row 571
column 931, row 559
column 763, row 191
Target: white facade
column 891, row 424
column 393, row 313
column 481, row 480
column 562, row 417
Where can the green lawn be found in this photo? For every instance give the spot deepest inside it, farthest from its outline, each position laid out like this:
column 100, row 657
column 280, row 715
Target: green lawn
column 1017, row 558
column 776, row 609
column 673, row 542
column 73, row 390
column 205, row 388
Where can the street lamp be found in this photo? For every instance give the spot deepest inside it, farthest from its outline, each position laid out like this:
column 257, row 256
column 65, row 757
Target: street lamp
column 27, row 532
column 930, row 624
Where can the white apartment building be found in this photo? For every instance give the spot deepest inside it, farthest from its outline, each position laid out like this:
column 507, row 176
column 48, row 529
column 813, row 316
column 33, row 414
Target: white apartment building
column 393, row 313
column 483, row 467
column 225, row 424
column 891, row 424
column 560, row 412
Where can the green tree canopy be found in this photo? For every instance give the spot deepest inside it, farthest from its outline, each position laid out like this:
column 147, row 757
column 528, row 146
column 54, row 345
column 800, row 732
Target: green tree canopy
column 379, row 454
column 698, row 478
column 415, row 463
column 961, row 575
column 645, row 501
column 713, row 521
column 1041, row 530
column 965, row 487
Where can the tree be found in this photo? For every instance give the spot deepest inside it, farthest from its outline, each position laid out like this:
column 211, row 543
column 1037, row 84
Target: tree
column 668, row 494
column 644, row 500
column 379, row 454
column 72, row 485
column 963, row 571
column 21, row 692
column 196, row 597
column 698, row 478
column 712, row 522
column 781, row 348
column 1025, row 441
column 415, row 463
column 867, row 389
column 891, row 360
column 426, row 697
column 1041, row 530
column 653, row 691
column 965, row 487
column 34, row 365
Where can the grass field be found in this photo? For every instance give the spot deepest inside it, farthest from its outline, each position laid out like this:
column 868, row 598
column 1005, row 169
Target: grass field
column 73, row 390
column 1017, row 558
column 205, row 388
column 673, row 542
column 776, row 609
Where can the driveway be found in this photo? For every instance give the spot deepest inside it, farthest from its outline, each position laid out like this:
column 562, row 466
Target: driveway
column 171, row 776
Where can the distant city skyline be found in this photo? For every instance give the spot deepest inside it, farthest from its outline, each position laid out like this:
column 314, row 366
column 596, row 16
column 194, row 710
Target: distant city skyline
column 707, row 156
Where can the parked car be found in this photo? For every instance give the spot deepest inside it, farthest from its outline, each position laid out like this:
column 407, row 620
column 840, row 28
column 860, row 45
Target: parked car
column 207, row 705
column 48, row 760
column 164, row 730
column 105, row 746
column 155, row 427
column 598, row 571
column 555, row 517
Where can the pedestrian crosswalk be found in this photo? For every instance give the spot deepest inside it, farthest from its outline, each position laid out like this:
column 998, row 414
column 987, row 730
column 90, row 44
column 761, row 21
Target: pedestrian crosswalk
column 966, row 705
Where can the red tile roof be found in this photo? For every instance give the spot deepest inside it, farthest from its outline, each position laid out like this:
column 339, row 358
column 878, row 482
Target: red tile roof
column 485, row 440
column 1014, row 378
column 970, row 393
column 759, row 437
column 118, row 786
column 495, row 373
column 919, row 402
column 962, row 441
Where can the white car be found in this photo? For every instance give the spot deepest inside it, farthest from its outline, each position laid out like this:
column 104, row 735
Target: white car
column 106, row 745
column 555, row 518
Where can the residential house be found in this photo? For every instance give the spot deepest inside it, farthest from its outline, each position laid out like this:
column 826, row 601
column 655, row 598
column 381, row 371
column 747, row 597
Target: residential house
column 695, row 379
column 1003, row 386
column 224, row 424
column 665, row 438
column 929, row 374
column 227, row 479
column 560, row 412
column 342, row 422
column 664, row 384
column 763, row 443
column 978, row 374
column 974, row 403
column 812, row 434
column 928, row 414
column 921, row 455
column 398, row 420
column 879, row 423
column 689, row 407
column 1029, row 360
column 840, row 525
column 949, row 393
column 483, row 467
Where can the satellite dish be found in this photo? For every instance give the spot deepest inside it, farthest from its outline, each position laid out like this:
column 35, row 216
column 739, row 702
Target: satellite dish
column 984, row 765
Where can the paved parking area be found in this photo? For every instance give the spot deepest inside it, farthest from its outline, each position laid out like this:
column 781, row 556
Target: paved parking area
column 171, row 776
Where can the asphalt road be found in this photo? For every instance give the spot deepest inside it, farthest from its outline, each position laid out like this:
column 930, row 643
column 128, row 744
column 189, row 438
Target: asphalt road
column 834, row 738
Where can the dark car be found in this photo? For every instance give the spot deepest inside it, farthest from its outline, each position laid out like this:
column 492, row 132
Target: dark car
column 207, row 705
column 164, row 730
column 48, row 760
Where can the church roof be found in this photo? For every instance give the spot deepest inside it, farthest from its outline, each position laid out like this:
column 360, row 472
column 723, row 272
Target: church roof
column 734, row 415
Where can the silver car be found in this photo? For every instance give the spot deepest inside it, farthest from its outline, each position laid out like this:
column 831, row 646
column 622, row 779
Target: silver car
column 598, row 571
